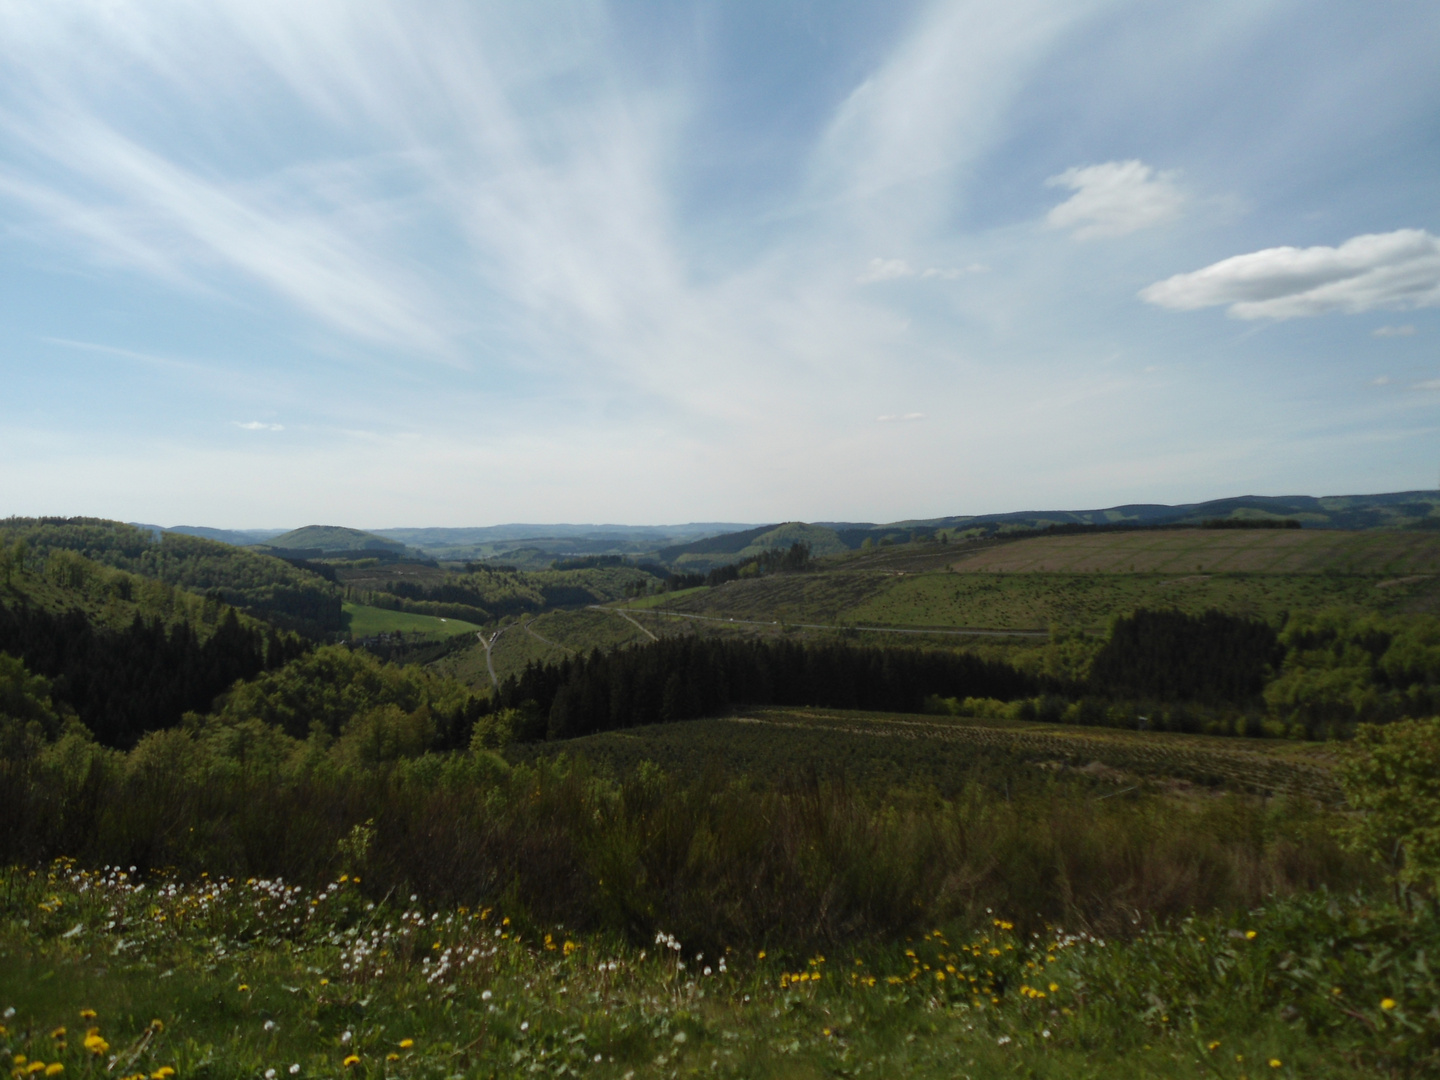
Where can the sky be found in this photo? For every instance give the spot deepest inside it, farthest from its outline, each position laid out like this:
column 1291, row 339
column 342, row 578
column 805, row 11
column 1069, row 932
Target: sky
column 270, row 264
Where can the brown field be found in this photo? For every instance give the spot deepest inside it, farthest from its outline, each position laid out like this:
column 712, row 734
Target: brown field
column 1199, row 551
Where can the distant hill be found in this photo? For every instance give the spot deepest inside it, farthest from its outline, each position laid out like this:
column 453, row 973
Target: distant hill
column 333, row 539
column 551, row 541
column 734, row 547
column 245, row 578
column 1395, row 510
column 240, row 537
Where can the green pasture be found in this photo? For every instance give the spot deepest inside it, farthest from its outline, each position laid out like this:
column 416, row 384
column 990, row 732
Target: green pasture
column 1087, row 601
column 947, row 600
column 885, row 751
column 1183, row 551
column 365, row 621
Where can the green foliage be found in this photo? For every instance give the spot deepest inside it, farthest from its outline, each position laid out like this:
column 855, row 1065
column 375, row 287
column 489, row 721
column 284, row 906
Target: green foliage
column 380, row 708
column 1342, row 668
column 260, row 975
column 29, row 717
column 1392, row 776
column 260, row 584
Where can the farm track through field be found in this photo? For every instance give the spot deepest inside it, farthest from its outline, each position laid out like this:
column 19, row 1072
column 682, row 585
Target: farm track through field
column 960, row 632
column 1157, row 753
column 529, row 629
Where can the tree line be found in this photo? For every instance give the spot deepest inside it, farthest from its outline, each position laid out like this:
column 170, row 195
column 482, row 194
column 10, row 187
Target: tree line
column 683, row 678
column 123, row 683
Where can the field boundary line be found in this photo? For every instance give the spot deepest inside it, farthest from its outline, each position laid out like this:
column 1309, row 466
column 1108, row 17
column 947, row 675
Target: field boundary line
column 963, row 632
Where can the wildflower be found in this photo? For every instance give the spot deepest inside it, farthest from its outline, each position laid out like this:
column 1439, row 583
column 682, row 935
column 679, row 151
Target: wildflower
column 87, row 1014
column 392, row 1056
column 1249, row 935
column 54, row 1070
column 162, row 1073
column 1274, row 1063
column 58, row 1033
column 324, row 982
column 94, row 1043
column 243, row 987
column 346, row 1036
column 1045, row 1034
column 353, row 1059
column 269, row 1074
column 406, row 1044
column 761, row 956
column 1213, row 1045
column 525, row 1026
column 295, row 1069
column 1388, row 1004
column 270, row 1025
column 1054, row 987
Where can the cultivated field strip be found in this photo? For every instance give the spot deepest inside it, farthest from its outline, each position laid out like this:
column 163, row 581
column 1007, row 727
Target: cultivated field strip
column 1197, row 758
column 1190, row 551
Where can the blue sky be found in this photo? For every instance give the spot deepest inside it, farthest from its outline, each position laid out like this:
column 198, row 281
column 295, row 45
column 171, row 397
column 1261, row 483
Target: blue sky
column 268, row 264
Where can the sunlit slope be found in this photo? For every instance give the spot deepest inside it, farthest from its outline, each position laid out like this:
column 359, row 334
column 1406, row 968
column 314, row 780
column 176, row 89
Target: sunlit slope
column 1081, row 581
column 1188, row 551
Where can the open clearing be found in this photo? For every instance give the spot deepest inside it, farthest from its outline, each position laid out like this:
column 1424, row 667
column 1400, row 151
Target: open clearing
column 368, row 621
column 945, row 752
column 1191, row 551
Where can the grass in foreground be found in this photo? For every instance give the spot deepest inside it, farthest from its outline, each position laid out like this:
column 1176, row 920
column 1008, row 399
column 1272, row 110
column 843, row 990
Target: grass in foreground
column 102, row 974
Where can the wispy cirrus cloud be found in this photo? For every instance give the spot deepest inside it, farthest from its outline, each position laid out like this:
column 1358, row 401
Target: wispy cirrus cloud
column 1393, row 331
column 1399, row 269
column 258, row 425
column 1113, row 199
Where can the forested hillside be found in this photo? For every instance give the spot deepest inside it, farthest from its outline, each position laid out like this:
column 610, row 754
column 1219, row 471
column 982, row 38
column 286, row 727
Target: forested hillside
column 127, row 654
column 265, row 586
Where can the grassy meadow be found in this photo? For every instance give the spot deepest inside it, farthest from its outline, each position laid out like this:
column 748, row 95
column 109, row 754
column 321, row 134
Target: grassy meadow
column 349, row 867
column 364, row 621
column 103, row 973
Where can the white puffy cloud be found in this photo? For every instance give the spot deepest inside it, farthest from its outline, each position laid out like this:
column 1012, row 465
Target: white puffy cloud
column 1113, row 199
column 885, row 270
column 1399, row 269
column 891, row 269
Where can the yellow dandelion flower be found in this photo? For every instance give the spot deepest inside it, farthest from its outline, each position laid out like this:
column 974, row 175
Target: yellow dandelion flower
column 162, row 1073
column 58, row 1033
column 392, row 1056
column 1054, row 987
column 243, row 987
column 324, row 982
column 18, row 1059
column 353, row 1059
column 1388, row 1004
column 1275, row 1063
column 157, row 1026
column 35, row 1066
column 54, row 1070
column 1249, row 935
column 406, row 1044
column 1213, row 1045
column 87, row 1014
column 760, row 955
